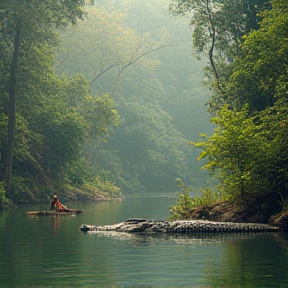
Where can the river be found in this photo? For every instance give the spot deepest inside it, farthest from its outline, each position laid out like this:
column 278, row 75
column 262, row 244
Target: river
column 50, row 251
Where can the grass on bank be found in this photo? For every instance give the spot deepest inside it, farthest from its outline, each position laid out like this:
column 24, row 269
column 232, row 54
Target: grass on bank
column 186, row 203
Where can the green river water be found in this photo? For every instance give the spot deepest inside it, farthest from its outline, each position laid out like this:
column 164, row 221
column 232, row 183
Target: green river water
column 50, row 251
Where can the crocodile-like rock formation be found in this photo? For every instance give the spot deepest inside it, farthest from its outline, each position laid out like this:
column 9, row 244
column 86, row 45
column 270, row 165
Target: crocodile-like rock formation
column 139, row 225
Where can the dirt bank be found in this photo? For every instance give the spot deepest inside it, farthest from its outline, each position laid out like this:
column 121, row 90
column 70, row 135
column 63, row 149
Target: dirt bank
column 241, row 213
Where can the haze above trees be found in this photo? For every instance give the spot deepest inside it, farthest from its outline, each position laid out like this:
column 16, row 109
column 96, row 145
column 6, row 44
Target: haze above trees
column 125, row 66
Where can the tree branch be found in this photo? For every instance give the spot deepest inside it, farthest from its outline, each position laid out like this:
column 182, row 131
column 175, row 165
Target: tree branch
column 132, row 61
column 102, row 72
column 61, row 63
column 211, row 50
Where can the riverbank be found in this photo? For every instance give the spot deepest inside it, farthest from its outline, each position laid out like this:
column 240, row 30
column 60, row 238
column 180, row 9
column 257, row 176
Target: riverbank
column 245, row 213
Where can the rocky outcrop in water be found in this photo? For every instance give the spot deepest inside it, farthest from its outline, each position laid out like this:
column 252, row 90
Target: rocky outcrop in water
column 139, row 225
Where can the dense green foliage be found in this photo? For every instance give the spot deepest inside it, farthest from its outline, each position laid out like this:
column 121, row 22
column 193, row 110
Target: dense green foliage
column 55, row 131
column 46, row 120
column 185, row 203
column 248, row 150
column 55, row 125
column 142, row 63
column 218, row 28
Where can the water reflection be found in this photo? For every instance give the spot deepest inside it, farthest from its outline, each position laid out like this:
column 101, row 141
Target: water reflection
column 226, row 260
column 252, row 262
column 52, row 252
column 182, row 239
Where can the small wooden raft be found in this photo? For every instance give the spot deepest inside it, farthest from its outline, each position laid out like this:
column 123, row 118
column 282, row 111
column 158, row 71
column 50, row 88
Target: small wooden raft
column 47, row 213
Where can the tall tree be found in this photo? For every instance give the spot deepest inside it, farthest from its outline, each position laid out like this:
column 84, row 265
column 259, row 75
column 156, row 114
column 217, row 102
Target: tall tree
column 28, row 24
column 260, row 73
column 248, row 150
column 218, row 28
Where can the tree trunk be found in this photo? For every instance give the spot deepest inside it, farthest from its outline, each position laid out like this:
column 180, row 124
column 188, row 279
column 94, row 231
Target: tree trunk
column 252, row 16
column 11, row 109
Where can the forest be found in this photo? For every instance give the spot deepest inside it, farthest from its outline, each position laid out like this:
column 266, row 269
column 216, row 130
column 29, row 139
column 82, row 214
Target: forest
column 246, row 42
column 97, row 98
column 104, row 97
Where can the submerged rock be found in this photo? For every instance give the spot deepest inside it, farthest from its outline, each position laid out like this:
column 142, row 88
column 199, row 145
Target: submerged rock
column 140, row 225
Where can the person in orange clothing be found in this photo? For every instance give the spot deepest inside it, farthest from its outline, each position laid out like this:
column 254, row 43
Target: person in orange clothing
column 55, row 205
